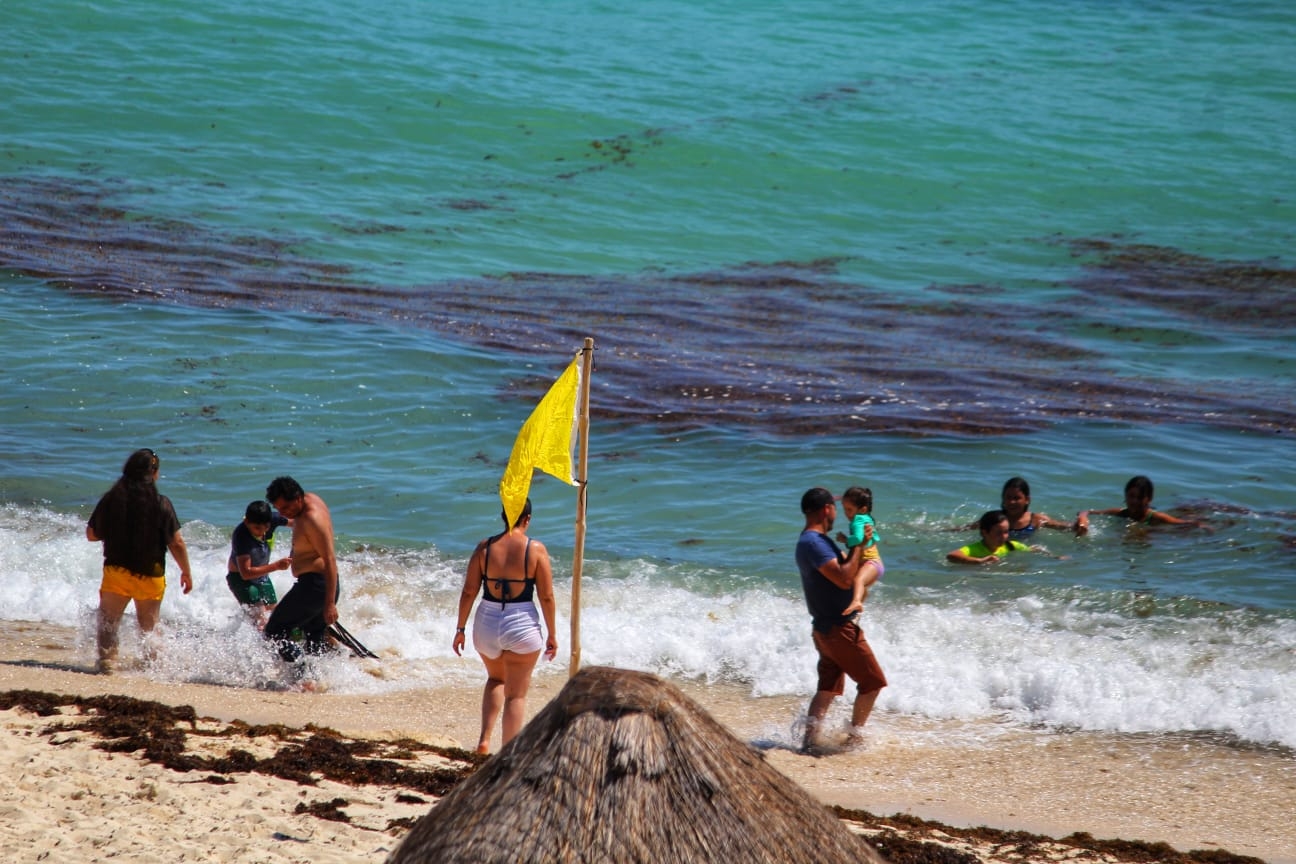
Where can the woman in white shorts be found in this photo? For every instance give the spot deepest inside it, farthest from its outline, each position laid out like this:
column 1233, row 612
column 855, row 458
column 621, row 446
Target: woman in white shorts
column 510, row 570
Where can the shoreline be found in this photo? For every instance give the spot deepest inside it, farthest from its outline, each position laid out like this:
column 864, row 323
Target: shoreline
column 1189, row 794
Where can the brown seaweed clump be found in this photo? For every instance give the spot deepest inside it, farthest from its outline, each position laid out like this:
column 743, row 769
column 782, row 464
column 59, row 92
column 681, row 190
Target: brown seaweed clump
column 906, row 839
column 159, row 733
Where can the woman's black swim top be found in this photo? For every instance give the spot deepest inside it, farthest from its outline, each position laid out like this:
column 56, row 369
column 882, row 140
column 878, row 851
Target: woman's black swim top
column 528, row 584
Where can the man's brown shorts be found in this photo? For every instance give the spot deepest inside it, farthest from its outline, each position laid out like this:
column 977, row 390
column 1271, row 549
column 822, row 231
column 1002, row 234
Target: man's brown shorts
column 843, row 651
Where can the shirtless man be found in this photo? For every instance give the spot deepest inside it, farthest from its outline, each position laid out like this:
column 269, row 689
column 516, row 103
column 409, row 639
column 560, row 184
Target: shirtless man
column 311, row 604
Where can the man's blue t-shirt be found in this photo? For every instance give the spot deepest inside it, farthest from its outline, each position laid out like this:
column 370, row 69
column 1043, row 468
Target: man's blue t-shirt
column 824, row 599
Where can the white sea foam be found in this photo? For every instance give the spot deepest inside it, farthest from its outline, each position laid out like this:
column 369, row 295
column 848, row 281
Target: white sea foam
column 1056, row 662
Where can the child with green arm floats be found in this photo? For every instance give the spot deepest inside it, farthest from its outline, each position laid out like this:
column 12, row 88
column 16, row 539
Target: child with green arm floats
column 993, row 545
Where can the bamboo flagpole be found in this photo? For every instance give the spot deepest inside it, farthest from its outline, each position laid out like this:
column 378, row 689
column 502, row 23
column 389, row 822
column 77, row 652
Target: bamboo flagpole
column 582, row 479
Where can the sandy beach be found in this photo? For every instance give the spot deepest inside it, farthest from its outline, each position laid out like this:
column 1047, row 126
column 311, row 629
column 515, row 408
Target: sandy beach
column 70, row 800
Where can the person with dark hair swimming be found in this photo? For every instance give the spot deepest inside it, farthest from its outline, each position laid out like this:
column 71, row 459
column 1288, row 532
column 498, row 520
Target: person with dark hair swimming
column 509, row 569
column 1015, row 499
column 1138, row 508
column 993, row 545
column 137, row 525
column 311, row 604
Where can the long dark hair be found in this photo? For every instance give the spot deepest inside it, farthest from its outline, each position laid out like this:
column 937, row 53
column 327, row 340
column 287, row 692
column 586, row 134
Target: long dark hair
column 133, row 502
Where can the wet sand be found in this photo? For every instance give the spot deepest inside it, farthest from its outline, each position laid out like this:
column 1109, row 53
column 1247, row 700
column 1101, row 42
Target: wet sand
column 1192, row 794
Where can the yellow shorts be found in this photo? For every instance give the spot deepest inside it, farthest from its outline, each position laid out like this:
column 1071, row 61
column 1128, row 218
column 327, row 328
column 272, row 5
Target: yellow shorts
column 119, row 580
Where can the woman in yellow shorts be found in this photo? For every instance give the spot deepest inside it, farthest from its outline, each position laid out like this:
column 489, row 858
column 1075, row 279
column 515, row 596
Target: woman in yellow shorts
column 137, row 525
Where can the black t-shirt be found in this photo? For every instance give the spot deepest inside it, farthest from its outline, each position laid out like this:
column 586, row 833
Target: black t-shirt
column 135, row 533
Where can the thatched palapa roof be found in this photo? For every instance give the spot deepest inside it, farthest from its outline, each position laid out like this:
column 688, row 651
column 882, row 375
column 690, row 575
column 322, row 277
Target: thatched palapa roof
column 623, row 767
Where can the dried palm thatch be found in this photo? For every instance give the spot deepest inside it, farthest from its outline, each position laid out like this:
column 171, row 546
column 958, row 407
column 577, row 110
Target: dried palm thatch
column 623, row 767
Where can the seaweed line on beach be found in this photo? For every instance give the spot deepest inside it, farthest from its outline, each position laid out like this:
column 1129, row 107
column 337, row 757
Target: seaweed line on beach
column 161, row 734
column 895, row 836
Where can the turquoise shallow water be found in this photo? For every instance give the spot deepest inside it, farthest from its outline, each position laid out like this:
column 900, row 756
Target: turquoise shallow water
column 948, row 134
column 924, row 249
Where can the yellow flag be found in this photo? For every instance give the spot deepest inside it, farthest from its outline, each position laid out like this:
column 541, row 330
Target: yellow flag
column 545, row 442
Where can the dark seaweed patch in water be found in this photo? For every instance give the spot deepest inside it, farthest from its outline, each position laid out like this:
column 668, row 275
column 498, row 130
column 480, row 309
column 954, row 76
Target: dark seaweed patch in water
column 1237, row 294
column 781, row 349
column 616, row 151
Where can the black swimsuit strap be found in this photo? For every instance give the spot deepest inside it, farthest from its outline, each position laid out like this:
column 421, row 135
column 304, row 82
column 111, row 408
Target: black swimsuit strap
column 526, row 569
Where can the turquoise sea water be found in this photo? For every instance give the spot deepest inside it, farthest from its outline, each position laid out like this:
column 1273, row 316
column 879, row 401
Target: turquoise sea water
column 922, row 249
